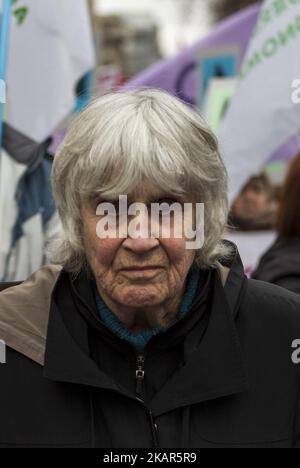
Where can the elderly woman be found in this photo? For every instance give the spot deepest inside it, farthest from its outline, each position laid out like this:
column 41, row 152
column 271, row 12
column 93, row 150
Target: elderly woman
column 137, row 338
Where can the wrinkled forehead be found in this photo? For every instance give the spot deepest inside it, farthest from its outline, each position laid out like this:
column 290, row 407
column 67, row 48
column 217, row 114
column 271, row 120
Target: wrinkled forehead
column 135, row 182
column 146, row 191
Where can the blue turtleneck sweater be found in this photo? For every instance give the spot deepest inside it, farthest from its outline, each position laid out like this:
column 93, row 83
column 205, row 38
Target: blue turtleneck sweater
column 140, row 340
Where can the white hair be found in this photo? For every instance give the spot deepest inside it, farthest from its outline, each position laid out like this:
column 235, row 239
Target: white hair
column 143, row 133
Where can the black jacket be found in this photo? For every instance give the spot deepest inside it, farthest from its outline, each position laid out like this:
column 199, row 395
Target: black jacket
column 281, row 265
column 221, row 377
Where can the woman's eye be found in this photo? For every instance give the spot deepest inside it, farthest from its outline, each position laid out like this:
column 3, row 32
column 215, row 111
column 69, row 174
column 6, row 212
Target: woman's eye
column 166, row 208
column 115, row 205
column 106, row 207
column 169, row 201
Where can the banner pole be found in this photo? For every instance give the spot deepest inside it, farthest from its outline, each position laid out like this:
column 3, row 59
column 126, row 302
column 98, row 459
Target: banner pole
column 4, row 39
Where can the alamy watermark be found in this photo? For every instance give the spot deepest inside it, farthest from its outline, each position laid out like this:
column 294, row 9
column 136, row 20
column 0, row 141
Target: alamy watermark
column 295, row 96
column 2, row 92
column 2, row 352
column 296, row 353
column 175, row 220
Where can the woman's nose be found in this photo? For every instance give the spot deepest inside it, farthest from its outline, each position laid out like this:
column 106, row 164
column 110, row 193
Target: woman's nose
column 142, row 235
column 140, row 244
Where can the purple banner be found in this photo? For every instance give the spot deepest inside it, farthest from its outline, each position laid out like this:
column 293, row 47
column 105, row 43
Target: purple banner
column 179, row 74
column 220, row 53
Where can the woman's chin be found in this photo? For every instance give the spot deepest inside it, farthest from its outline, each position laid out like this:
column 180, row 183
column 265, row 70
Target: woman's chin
column 143, row 296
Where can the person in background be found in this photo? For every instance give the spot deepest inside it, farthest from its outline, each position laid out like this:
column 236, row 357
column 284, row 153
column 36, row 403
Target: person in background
column 255, row 207
column 281, row 263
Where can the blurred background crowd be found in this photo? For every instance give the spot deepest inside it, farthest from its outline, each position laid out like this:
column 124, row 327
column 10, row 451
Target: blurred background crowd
column 55, row 56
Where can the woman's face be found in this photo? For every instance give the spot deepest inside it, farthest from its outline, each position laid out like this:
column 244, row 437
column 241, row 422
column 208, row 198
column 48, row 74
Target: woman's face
column 137, row 271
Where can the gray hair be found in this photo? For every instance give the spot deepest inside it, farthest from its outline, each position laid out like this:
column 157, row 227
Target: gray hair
column 146, row 133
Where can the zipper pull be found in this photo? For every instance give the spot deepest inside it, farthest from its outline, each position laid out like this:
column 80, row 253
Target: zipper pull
column 154, row 430
column 140, row 374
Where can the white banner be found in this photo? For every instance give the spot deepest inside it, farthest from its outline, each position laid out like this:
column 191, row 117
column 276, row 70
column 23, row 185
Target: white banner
column 265, row 111
column 49, row 52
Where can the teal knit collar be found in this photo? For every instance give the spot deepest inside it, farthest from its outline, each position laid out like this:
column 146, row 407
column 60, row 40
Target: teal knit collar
column 140, row 340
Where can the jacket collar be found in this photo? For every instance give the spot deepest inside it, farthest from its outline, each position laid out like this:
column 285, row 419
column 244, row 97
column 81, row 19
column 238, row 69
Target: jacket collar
column 234, row 280
column 24, row 312
column 214, row 366
column 213, row 358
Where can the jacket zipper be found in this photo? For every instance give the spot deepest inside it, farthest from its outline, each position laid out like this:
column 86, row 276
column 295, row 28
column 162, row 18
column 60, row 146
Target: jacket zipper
column 140, row 376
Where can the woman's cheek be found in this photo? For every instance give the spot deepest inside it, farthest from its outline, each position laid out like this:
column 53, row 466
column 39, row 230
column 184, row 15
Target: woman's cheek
column 101, row 251
column 175, row 248
column 105, row 250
